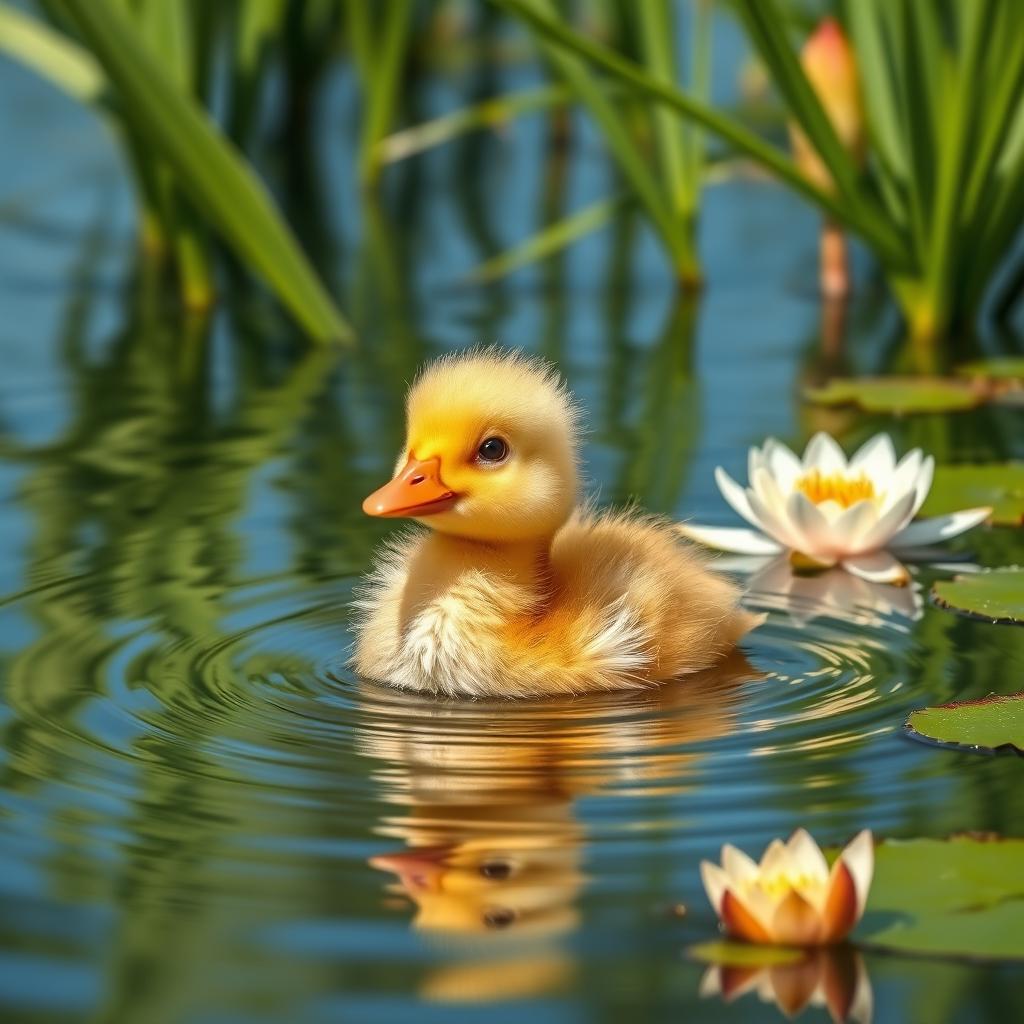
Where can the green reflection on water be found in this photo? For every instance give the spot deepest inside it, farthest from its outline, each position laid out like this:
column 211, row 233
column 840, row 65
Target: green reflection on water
column 193, row 787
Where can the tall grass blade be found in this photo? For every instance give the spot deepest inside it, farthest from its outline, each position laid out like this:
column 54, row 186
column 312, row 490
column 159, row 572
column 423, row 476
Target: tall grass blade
column 657, row 39
column 489, row 113
column 51, row 55
column 259, row 22
column 620, row 143
column 700, row 86
column 881, row 91
column 383, row 71
column 960, row 88
column 550, row 240
column 212, row 173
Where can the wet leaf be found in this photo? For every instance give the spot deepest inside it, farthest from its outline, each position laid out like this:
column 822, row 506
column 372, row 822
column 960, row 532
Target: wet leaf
column 988, row 725
column 954, row 897
column 996, row 595
column 1000, row 485
column 901, row 394
column 743, row 954
column 1008, row 368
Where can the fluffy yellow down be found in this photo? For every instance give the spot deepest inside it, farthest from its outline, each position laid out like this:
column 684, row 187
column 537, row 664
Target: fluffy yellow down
column 515, row 591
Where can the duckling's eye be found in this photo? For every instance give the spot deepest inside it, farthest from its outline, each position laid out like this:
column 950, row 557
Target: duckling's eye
column 493, row 449
column 498, row 917
column 496, row 870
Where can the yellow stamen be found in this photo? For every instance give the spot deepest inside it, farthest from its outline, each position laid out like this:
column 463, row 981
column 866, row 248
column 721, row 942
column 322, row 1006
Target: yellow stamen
column 845, row 491
column 778, row 885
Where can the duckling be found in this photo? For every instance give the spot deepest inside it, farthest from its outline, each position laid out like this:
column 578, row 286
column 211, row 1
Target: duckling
column 515, row 590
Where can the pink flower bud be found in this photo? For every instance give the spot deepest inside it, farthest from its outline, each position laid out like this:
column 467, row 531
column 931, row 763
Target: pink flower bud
column 830, row 65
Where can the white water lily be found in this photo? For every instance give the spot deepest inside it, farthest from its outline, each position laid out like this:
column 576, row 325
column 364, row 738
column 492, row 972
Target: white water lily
column 792, row 897
column 856, row 513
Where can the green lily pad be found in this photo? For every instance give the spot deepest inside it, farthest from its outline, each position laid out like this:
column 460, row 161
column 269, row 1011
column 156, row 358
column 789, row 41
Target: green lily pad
column 1000, row 485
column 902, row 394
column 957, row 897
column 994, row 723
column 1009, row 368
column 996, row 595
column 744, row 954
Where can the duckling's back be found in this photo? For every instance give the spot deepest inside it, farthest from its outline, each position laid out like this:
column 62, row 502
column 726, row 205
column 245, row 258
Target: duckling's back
column 681, row 615
column 623, row 602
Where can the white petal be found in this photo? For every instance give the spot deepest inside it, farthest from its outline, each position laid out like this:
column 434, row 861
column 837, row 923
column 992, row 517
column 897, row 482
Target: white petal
column 923, row 485
column 824, row 454
column 769, row 506
column 902, row 481
column 755, row 460
column 876, row 567
column 782, row 464
column 807, row 856
column 730, row 538
column 716, row 881
column 710, row 983
column 830, row 509
column 862, row 1009
column 859, row 858
column 775, row 860
column 738, row 866
column 854, row 523
column 889, row 524
column 876, row 459
column 811, row 524
column 736, row 496
column 928, row 531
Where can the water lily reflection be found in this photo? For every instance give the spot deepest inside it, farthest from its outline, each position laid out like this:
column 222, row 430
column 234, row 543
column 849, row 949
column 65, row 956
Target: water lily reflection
column 833, row 593
column 833, row 978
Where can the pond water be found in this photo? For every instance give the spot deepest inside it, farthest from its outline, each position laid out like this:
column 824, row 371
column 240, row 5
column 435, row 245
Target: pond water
column 205, row 817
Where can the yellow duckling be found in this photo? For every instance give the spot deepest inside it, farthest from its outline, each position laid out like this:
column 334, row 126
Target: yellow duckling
column 515, row 591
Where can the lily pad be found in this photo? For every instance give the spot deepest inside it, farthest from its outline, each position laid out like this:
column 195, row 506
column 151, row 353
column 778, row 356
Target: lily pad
column 744, row 954
column 1010, row 368
column 1000, row 485
column 989, row 725
column 902, row 394
column 957, row 897
column 996, row 595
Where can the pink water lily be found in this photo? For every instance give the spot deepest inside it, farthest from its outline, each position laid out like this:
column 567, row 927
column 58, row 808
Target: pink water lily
column 828, row 510
column 791, row 898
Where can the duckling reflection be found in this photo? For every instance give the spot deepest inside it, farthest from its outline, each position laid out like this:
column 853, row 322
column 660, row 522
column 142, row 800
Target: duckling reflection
column 486, row 795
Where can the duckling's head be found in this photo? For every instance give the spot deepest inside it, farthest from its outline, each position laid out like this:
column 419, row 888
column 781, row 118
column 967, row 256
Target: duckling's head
column 490, row 450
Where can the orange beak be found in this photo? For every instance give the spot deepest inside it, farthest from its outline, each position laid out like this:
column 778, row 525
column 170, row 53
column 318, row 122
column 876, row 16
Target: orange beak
column 418, row 869
column 417, row 490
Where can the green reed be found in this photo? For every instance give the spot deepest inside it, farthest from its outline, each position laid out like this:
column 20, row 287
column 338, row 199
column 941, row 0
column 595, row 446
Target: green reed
column 941, row 197
column 141, row 65
column 668, row 188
